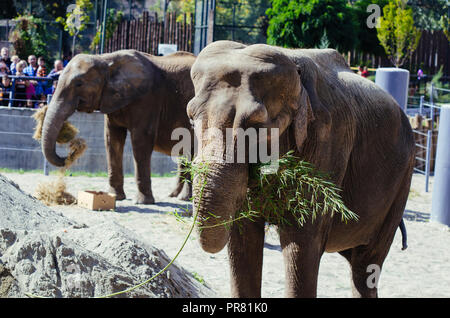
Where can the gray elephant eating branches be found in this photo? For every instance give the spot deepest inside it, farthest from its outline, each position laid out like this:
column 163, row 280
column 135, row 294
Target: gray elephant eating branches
column 343, row 124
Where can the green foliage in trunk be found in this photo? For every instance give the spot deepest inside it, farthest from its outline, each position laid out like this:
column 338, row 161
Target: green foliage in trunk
column 296, row 188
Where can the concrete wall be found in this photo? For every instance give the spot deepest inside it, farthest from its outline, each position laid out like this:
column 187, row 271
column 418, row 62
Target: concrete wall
column 18, row 150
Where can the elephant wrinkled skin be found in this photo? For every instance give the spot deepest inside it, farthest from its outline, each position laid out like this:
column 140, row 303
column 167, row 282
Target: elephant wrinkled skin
column 138, row 92
column 342, row 123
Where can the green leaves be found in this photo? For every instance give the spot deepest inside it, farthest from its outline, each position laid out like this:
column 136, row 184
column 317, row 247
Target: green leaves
column 296, row 187
column 77, row 17
column 397, row 33
column 301, row 23
column 297, row 191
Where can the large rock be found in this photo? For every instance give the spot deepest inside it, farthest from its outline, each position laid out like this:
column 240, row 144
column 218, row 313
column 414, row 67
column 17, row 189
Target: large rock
column 44, row 253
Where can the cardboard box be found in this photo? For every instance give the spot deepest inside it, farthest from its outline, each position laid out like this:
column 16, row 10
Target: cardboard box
column 96, row 200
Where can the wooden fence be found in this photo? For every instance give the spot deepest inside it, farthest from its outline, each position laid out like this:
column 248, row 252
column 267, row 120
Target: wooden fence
column 432, row 52
column 147, row 32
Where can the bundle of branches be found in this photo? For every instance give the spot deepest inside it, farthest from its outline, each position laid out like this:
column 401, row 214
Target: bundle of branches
column 55, row 192
column 297, row 188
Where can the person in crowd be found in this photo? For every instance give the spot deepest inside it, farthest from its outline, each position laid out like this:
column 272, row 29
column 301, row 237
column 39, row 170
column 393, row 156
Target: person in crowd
column 14, row 60
column 365, row 72
column 43, row 101
column 66, row 58
column 41, row 72
column 31, row 69
column 3, row 69
column 4, row 56
column 5, row 89
column 51, row 90
column 20, row 85
column 54, row 74
column 360, row 70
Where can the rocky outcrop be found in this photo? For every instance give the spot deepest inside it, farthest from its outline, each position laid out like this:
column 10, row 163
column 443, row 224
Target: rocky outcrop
column 43, row 253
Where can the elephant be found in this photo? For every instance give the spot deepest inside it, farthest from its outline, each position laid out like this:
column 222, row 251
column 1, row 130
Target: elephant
column 138, row 92
column 341, row 123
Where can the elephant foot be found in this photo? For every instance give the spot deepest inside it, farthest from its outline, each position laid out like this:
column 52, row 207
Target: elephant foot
column 120, row 195
column 186, row 193
column 176, row 191
column 144, row 199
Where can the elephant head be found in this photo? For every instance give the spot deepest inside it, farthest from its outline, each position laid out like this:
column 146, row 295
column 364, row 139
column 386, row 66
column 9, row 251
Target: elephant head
column 90, row 83
column 238, row 86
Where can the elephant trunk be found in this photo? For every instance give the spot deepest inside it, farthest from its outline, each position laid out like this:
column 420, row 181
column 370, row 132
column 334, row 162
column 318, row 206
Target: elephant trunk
column 55, row 116
column 217, row 196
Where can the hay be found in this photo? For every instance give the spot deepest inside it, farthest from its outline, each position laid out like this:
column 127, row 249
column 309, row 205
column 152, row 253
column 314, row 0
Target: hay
column 66, row 134
column 54, row 193
column 77, row 147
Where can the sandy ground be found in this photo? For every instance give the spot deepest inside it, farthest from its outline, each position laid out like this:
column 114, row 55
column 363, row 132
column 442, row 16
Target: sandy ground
column 420, row 271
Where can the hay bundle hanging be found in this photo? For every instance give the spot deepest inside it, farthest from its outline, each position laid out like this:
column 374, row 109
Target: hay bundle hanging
column 55, row 192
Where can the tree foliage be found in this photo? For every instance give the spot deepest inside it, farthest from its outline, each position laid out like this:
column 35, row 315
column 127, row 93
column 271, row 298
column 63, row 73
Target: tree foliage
column 114, row 18
column 429, row 15
column 367, row 36
column 29, row 36
column 397, row 33
column 241, row 20
column 301, row 23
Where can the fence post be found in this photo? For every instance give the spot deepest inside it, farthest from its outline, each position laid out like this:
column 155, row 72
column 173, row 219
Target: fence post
column 10, row 99
column 421, row 104
column 12, row 93
column 49, row 98
column 440, row 205
column 427, row 160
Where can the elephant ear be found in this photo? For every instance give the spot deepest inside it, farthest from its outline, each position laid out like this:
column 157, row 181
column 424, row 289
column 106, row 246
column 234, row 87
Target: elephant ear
column 303, row 116
column 129, row 77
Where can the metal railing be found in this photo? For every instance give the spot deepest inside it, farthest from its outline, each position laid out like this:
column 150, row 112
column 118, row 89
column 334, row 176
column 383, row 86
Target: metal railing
column 429, row 110
column 12, row 93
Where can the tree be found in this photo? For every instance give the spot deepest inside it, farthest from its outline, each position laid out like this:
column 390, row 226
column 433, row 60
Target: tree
column 367, row 36
column 241, row 20
column 29, row 36
column 397, row 33
column 302, row 23
column 113, row 19
column 429, row 14
column 77, row 18
column 181, row 7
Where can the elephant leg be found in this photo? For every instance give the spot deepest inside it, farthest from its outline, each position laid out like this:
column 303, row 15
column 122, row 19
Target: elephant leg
column 142, row 151
column 301, row 256
column 179, row 180
column 366, row 269
column 183, row 186
column 114, row 143
column 186, row 192
column 367, row 261
column 245, row 251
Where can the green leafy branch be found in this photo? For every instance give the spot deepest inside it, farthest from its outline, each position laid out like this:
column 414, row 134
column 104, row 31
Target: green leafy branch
column 296, row 188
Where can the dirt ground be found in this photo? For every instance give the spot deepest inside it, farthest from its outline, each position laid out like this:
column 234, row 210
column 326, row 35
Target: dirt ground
column 420, row 271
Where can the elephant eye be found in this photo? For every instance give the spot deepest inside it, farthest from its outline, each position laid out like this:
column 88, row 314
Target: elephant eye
column 78, row 84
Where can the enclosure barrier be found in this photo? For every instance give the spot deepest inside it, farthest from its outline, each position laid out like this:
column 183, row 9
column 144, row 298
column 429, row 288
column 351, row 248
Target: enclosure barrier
column 440, row 205
column 426, row 139
column 11, row 95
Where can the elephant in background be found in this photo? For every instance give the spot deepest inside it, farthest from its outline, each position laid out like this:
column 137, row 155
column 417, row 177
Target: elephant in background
column 343, row 124
column 138, row 92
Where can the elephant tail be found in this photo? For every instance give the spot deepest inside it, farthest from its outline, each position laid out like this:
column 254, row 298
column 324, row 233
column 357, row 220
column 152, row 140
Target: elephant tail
column 404, row 236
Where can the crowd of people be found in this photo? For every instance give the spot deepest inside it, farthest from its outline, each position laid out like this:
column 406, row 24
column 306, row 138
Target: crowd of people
column 30, row 93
